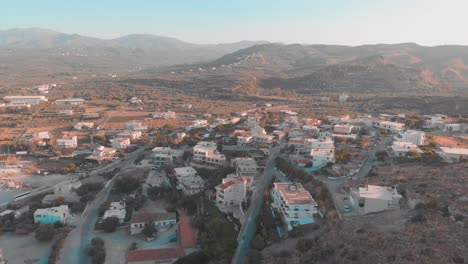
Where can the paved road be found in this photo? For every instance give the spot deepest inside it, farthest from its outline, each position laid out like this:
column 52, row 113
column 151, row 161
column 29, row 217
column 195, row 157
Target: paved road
column 248, row 227
column 74, row 250
column 367, row 166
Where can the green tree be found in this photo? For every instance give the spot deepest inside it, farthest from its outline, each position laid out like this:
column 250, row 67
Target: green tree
column 110, row 224
column 149, row 230
column 45, row 233
column 97, row 252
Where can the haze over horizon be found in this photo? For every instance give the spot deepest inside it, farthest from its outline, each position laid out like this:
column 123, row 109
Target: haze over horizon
column 338, row 22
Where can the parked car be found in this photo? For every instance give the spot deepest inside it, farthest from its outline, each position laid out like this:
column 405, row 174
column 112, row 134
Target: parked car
column 347, row 209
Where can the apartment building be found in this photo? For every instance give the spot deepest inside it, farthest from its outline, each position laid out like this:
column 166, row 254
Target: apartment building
column 244, row 140
column 246, row 167
column 165, row 156
column 206, row 153
column 188, row 180
column 294, row 203
column 232, row 191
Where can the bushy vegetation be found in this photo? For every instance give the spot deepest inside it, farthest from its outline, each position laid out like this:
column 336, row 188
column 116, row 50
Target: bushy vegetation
column 97, row 252
column 109, row 224
column 45, row 232
column 216, row 234
column 126, row 184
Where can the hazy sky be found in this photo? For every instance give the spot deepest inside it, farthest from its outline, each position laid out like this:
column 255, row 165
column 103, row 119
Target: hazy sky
column 349, row 22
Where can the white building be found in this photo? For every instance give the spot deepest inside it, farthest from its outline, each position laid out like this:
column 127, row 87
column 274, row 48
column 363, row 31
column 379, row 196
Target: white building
column 392, row 127
column 165, row 156
column 412, row 136
column 27, row 100
column 325, row 135
column 246, row 167
column 374, row 198
column 131, row 125
column 244, row 140
column 199, row 123
column 101, row 153
column 263, row 138
column 52, row 215
column 70, row 101
column 232, row 191
column 83, row 125
column 207, row 153
column 294, row 203
column 312, row 143
column 181, row 135
column 453, row 154
column 120, row 143
column 67, row 112
column 116, row 209
column 66, row 143
column 188, row 180
column 162, row 221
column 343, row 129
column 403, row 149
column 133, row 135
column 342, row 98
column 321, row 157
column 42, row 135
column 165, row 115
column 135, row 100
column 455, row 128
column 299, row 144
column 435, row 121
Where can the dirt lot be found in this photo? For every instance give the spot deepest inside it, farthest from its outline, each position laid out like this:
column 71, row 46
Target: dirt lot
column 18, row 249
column 451, row 141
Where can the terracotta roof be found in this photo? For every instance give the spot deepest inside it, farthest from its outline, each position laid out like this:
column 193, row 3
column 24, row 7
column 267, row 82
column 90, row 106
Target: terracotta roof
column 187, row 236
column 154, row 254
column 226, row 185
column 144, row 217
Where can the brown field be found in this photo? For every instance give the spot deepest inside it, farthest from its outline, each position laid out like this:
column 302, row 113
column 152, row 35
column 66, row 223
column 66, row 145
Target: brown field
column 8, row 134
column 451, row 141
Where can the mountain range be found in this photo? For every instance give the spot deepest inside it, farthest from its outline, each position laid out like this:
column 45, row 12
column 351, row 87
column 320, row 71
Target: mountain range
column 305, row 68
column 25, row 50
column 367, row 68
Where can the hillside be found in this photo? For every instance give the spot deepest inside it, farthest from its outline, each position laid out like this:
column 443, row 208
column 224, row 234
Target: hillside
column 41, row 52
column 368, row 68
